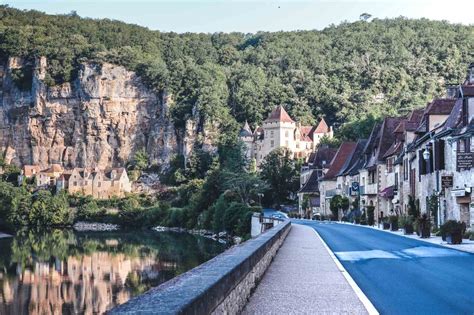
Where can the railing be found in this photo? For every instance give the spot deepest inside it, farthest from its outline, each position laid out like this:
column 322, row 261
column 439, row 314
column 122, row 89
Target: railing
column 222, row 285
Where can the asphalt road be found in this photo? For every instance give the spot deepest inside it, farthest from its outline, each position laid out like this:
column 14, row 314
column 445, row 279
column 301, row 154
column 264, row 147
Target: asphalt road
column 401, row 275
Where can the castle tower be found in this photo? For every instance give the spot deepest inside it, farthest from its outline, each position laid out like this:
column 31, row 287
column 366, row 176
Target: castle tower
column 322, row 130
column 279, row 131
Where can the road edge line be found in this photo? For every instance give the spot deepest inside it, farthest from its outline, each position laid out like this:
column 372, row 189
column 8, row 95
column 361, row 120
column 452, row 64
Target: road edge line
column 360, row 294
column 408, row 237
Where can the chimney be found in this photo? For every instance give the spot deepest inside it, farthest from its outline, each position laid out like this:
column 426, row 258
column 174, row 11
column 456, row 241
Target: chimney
column 471, row 73
column 452, row 91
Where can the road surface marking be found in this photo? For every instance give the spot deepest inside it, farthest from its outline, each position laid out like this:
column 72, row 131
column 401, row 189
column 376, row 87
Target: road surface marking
column 362, row 297
column 426, row 251
column 365, row 254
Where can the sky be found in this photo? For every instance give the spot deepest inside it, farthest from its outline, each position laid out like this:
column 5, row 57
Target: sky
column 248, row 16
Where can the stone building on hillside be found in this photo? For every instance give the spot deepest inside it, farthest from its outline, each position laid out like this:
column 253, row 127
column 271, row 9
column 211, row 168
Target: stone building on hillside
column 278, row 131
column 96, row 183
column 100, row 184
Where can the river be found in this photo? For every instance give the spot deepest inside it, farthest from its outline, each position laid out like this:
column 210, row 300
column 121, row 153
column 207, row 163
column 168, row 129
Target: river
column 68, row 272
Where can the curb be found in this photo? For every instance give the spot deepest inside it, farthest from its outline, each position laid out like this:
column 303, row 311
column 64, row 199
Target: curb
column 361, row 295
column 408, row 237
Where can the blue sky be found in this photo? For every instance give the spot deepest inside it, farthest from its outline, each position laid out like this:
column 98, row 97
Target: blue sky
column 250, row 16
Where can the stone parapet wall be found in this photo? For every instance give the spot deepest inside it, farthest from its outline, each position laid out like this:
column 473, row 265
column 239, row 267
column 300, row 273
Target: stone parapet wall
column 219, row 286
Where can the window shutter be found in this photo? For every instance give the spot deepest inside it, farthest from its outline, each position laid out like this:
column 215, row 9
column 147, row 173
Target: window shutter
column 421, row 164
column 439, row 155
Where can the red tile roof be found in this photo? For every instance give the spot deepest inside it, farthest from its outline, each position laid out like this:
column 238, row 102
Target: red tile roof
column 343, row 153
column 322, row 127
column 30, row 170
column 279, row 114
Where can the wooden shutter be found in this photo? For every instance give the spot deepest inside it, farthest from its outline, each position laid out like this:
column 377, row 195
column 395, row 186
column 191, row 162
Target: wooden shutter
column 439, row 155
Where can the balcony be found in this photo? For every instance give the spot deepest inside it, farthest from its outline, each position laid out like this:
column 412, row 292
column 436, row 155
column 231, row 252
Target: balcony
column 370, row 189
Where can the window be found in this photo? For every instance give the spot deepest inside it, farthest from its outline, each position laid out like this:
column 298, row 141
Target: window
column 271, row 134
column 74, row 183
column 405, row 169
column 389, row 165
column 286, row 143
column 286, row 133
column 99, row 184
column 371, row 177
column 272, row 143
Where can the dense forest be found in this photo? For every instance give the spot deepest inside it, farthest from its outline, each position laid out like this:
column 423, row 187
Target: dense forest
column 350, row 74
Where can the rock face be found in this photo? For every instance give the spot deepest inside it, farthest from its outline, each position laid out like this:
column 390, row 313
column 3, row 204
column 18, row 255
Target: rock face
column 99, row 120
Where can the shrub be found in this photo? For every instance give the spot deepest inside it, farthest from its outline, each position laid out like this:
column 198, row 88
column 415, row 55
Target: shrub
column 370, row 215
column 454, row 229
column 89, row 211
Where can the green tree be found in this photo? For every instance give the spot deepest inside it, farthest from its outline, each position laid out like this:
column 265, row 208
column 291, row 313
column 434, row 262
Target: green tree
column 281, row 174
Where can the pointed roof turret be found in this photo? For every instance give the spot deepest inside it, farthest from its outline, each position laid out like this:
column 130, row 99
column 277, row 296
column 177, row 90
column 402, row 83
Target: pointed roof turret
column 279, row 114
column 246, row 131
column 322, row 127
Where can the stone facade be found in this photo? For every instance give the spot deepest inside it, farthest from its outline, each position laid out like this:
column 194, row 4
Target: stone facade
column 100, row 184
column 280, row 131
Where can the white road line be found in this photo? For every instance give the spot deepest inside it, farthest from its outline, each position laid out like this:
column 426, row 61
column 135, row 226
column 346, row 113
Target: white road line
column 362, row 297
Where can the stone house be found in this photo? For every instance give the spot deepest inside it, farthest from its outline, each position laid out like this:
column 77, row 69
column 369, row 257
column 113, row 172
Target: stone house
column 280, row 130
column 96, row 183
column 328, row 185
column 49, row 176
column 349, row 174
column 315, row 168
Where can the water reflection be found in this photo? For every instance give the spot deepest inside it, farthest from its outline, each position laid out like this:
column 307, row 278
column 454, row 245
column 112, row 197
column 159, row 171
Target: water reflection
column 64, row 272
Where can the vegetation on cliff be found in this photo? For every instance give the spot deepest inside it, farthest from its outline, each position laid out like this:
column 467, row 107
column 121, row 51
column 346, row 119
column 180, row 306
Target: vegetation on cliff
column 349, row 74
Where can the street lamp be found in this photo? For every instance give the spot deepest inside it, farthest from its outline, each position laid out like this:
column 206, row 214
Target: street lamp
column 426, row 154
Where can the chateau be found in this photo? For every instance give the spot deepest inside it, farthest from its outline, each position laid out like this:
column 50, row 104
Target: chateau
column 279, row 130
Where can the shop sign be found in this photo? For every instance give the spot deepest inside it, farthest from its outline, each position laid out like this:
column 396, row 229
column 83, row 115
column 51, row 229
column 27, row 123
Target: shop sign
column 464, row 160
column 447, row 181
column 458, row 193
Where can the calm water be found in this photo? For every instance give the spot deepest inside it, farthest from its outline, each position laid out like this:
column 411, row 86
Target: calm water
column 66, row 272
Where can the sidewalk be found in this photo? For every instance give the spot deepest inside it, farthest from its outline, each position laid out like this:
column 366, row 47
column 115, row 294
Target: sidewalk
column 304, row 279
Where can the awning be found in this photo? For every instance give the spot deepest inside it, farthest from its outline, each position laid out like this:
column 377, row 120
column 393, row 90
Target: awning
column 388, row 192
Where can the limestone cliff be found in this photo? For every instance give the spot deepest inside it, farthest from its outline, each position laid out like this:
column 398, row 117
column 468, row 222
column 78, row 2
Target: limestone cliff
column 99, row 120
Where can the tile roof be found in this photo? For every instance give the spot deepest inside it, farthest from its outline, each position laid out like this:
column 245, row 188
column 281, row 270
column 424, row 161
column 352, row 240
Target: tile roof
column 343, row 153
column 387, row 135
column 468, row 89
column 455, row 116
column 30, row 170
column 322, row 127
column 311, row 186
column 354, row 158
column 371, row 145
column 246, row 131
column 279, row 114
column 394, row 149
column 322, row 157
column 440, row 106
